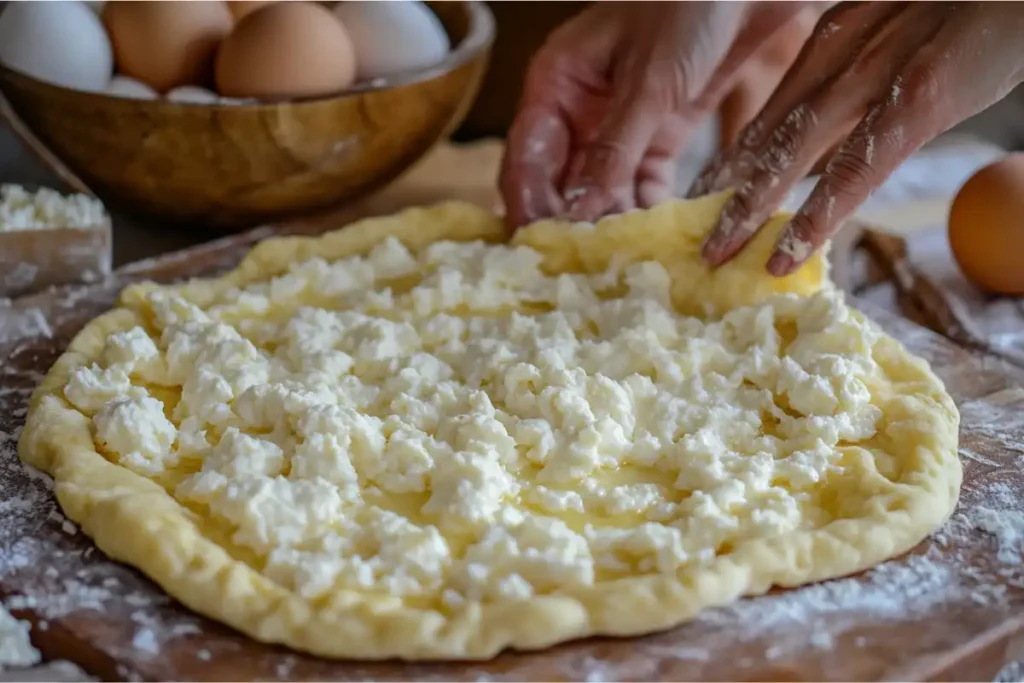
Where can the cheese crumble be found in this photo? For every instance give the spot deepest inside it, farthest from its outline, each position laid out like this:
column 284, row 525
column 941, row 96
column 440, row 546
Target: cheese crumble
column 457, row 425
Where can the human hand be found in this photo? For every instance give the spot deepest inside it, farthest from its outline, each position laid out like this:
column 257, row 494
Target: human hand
column 878, row 79
column 612, row 97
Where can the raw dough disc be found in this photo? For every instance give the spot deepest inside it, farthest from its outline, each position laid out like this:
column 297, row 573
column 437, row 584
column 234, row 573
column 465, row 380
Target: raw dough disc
column 405, row 439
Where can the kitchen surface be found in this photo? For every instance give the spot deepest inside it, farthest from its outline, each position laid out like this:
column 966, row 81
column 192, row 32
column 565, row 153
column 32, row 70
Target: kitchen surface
column 947, row 610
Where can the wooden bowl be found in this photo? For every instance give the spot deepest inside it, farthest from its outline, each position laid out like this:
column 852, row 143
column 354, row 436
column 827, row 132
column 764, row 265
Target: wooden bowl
column 235, row 165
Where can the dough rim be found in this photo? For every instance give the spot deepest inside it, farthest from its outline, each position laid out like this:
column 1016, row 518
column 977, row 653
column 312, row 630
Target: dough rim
column 135, row 521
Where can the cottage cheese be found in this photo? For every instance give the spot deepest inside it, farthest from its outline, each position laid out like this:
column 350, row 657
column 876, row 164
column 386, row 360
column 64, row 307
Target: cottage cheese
column 22, row 209
column 458, row 425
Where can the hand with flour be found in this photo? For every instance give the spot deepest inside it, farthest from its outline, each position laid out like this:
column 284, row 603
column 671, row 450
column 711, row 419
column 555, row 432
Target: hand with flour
column 612, row 97
column 875, row 82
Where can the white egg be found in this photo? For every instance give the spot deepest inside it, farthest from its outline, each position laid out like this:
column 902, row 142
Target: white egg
column 96, row 6
column 391, row 36
column 63, row 43
column 122, row 86
column 192, row 94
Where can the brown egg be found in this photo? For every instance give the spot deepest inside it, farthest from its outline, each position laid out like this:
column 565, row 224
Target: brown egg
column 167, row 44
column 986, row 227
column 286, row 50
column 240, row 8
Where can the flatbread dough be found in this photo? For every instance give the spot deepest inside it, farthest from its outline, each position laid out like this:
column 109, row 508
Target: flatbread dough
column 409, row 439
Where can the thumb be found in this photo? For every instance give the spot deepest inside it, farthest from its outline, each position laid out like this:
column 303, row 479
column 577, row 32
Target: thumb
column 604, row 171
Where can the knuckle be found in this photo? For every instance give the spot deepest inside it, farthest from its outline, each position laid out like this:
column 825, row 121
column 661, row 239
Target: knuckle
column 742, row 205
column 804, row 230
column 601, row 155
column 920, row 86
column 787, row 139
column 851, row 170
column 827, row 25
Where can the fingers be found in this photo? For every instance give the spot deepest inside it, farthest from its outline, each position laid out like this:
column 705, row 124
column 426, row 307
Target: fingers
column 890, row 133
column 824, row 118
column 557, row 84
column 673, row 52
column 606, row 167
column 655, row 180
column 535, row 156
column 914, row 110
column 834, row 44
column 762, row 73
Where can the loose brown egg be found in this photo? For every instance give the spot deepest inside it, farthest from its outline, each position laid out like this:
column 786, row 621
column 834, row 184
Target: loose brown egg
column 240, row 8
column 286, row 50
column 167, row 44
column 986, row 227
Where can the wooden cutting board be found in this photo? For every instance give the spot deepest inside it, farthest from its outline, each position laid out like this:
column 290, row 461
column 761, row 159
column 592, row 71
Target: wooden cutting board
column 914, row 275
column 949, row 610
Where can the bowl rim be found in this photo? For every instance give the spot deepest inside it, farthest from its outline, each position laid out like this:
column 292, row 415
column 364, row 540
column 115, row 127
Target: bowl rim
column 479, row 38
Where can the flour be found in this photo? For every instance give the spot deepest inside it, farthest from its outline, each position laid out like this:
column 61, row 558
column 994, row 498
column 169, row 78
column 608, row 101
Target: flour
column 1007, row 528
column 1000, row 515
column 15, row 647
column 59, row 569
column 22, row 324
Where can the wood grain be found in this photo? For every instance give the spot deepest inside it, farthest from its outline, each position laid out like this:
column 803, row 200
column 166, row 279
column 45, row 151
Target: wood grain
column 958, row 639
column 233, row 166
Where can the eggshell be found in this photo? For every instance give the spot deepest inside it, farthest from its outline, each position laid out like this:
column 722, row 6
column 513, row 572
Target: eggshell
column 392, row 37
column 167, row 44
column 986, row 231
column 192, row 94
column 122, row 86
column 241, row 8
column 62, row 43
column 286, row 50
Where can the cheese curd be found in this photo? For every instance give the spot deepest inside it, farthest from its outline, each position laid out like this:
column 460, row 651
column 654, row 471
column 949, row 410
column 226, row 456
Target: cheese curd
column 459, row 425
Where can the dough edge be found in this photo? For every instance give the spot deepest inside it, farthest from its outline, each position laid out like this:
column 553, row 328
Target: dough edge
column 135, row 521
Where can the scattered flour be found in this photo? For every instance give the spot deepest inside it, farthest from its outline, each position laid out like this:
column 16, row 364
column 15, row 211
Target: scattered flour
column 1008, row 529
column 57, row 570
column 21, row 324
column 15, row 645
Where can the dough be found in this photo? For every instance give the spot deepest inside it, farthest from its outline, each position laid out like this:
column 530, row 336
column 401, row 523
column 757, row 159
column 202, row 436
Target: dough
column 409, row 439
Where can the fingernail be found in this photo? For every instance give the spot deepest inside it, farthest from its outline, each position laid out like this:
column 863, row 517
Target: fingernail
column 780, row 264
column 575, row 193
column 586, row 208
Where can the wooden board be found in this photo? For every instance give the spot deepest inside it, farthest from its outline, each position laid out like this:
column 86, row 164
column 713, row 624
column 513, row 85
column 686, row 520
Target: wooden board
column 950, row 610
column 915, row 276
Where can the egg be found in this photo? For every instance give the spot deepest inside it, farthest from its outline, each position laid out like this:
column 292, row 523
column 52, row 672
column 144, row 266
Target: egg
column 59, row 42
column 192, row 94
column 986, row 231
column 286, row 50
column 391, row 37
column 122, row 86
column 240, row 8
column 167, row 44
